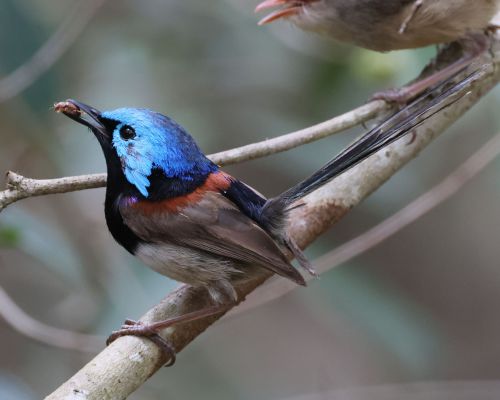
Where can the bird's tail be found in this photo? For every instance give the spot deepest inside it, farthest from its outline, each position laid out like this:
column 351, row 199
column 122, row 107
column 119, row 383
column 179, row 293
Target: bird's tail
column 392, row 129
column 273, row 213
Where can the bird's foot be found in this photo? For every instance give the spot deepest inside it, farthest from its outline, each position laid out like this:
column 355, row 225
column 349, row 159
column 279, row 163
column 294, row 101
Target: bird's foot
column 285, row 9
column 151, row 331
column 474, row 45
column 137, row 328
column 398, row 96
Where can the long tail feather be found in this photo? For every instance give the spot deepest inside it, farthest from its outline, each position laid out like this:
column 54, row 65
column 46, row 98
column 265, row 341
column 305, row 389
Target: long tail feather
column 395, row 127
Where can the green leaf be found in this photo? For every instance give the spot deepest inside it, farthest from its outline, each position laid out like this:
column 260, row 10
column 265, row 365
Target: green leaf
column 9, row 236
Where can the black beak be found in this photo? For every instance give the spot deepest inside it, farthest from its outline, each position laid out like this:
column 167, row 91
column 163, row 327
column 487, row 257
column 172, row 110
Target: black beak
column 83, row 114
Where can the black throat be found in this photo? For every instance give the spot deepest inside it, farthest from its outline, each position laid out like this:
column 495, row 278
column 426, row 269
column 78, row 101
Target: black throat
column 116, row 187
column 161, row 188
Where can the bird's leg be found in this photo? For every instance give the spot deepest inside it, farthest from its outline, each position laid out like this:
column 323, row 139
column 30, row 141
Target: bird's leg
column 473, row 47
column 151, row 331
column 415, row 7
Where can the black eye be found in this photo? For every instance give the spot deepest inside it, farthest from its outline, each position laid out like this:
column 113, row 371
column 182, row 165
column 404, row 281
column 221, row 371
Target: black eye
column 126, row 132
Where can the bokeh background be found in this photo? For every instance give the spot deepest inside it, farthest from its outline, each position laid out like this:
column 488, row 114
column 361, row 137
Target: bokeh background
column 421, row 307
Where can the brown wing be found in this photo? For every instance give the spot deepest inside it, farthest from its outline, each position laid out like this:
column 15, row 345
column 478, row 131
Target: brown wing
column 215, row 225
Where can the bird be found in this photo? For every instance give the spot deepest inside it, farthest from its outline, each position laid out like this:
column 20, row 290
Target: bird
column 182, row 215
column 386, row 25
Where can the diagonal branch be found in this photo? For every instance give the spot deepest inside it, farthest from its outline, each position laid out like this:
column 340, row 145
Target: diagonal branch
column 128, row 362
column 20, row 187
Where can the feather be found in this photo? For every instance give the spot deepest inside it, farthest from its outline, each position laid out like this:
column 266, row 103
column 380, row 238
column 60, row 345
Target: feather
column 214, row 227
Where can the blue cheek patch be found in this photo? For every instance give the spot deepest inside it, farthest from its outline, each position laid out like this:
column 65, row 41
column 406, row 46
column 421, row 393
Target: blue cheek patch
column 140, row 181
column 136, row 168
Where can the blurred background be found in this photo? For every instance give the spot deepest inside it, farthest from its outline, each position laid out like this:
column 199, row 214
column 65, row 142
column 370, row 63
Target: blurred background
column 421, row 307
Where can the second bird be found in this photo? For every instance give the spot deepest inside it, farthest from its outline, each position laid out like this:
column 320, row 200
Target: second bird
column 385, row 25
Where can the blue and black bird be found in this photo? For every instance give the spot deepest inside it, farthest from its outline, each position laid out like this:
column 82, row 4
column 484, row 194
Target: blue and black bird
column 180, row 214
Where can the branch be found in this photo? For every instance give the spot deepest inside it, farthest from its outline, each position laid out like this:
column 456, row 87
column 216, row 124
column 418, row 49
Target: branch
column 28, row 326
column 20, row 187
column 387, row 228
column 128, row 362
column 51, row 51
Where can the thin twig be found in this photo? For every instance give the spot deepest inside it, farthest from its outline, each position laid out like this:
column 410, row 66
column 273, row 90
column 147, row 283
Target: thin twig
column 20, row 187
column 50, row 51
column 335, row 125
column 425, row 203
column 32, row 328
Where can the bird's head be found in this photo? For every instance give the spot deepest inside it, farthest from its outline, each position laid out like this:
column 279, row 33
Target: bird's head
column 293, row 9
column 139, row 143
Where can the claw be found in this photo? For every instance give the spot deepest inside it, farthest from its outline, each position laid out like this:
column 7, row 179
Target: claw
column 270, row 4
column 283, row 13
column 398, row 96
column 150, row 331
column 137, row 328
column 288, row 8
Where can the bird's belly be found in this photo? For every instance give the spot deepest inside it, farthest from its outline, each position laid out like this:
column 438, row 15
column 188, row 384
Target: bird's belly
column 435, row 22
column 186, row 265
